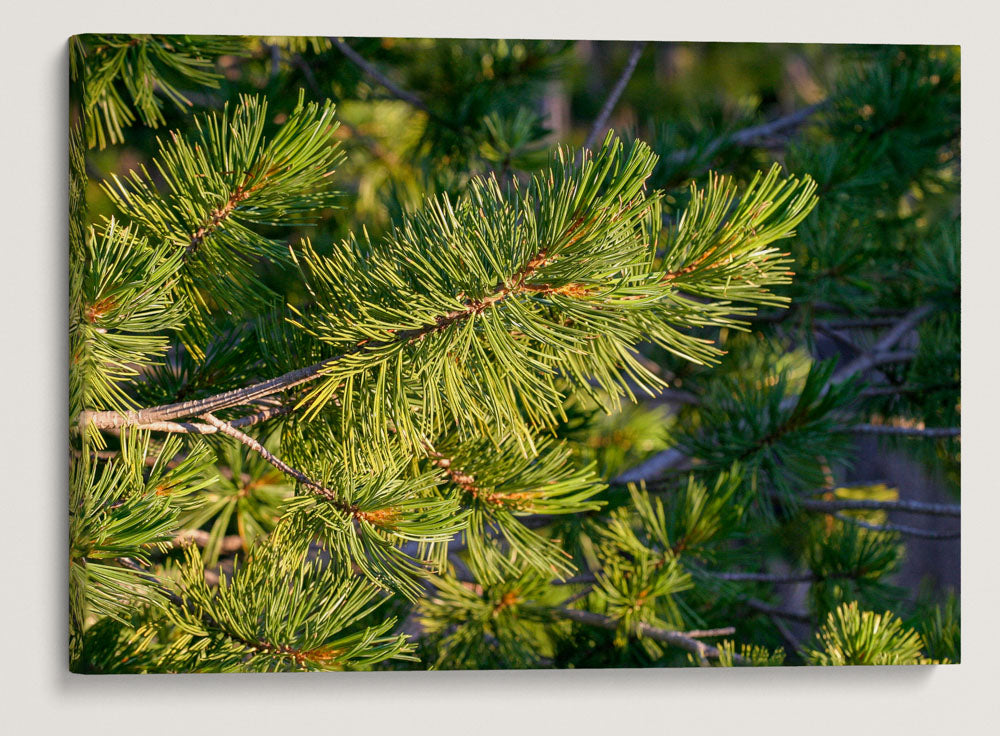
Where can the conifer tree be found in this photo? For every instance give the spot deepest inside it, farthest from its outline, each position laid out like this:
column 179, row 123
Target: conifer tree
column 367, row 372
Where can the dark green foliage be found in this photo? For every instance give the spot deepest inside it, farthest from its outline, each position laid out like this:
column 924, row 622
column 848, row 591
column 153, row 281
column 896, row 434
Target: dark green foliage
column 782, row 435
column 942, row 632
column 122, row 77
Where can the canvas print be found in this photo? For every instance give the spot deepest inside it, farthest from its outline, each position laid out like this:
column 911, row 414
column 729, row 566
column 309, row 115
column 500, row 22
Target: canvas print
column 423, row 354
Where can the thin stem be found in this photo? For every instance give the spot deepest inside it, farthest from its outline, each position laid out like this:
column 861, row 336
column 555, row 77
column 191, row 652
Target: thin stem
column 883, row 345
column 707, row 633
column 794, row 119
column 775, row 615
column 372, row 71
column 678, row 639
column 911, row 507
column 765, row 577
column 888, row 429
column 170, row 595
column 776, row 612
column 245, row 439
column 896, row 390
column 786, row 634
column 616, row 92
column 908, row 531
column 856, row 324
column 748, row 136
column 405, row 95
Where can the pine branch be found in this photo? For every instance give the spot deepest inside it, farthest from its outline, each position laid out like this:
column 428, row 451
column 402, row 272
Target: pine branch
column 559, row 262
column 217, row 185
column 152, row 417
column 616, row 92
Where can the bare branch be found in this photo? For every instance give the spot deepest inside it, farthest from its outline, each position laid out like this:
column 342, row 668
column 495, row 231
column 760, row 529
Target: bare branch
column 894, row 390
column 765, row 577
column 858, row 324
column 775, row 615
column 245, row 439
column 749, row 136
column 654, row 467
column 616, row 92
column 888, row 429
column 373, row 72
column 908, row 531
column 194, row 428
column 678, row 639
column 778, row 612
column 224, row 400
column 883, row 345
column 851, row 504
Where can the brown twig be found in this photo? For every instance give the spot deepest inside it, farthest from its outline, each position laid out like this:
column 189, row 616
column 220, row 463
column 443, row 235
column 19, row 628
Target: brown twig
column 229, row 544
column 245, row 439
